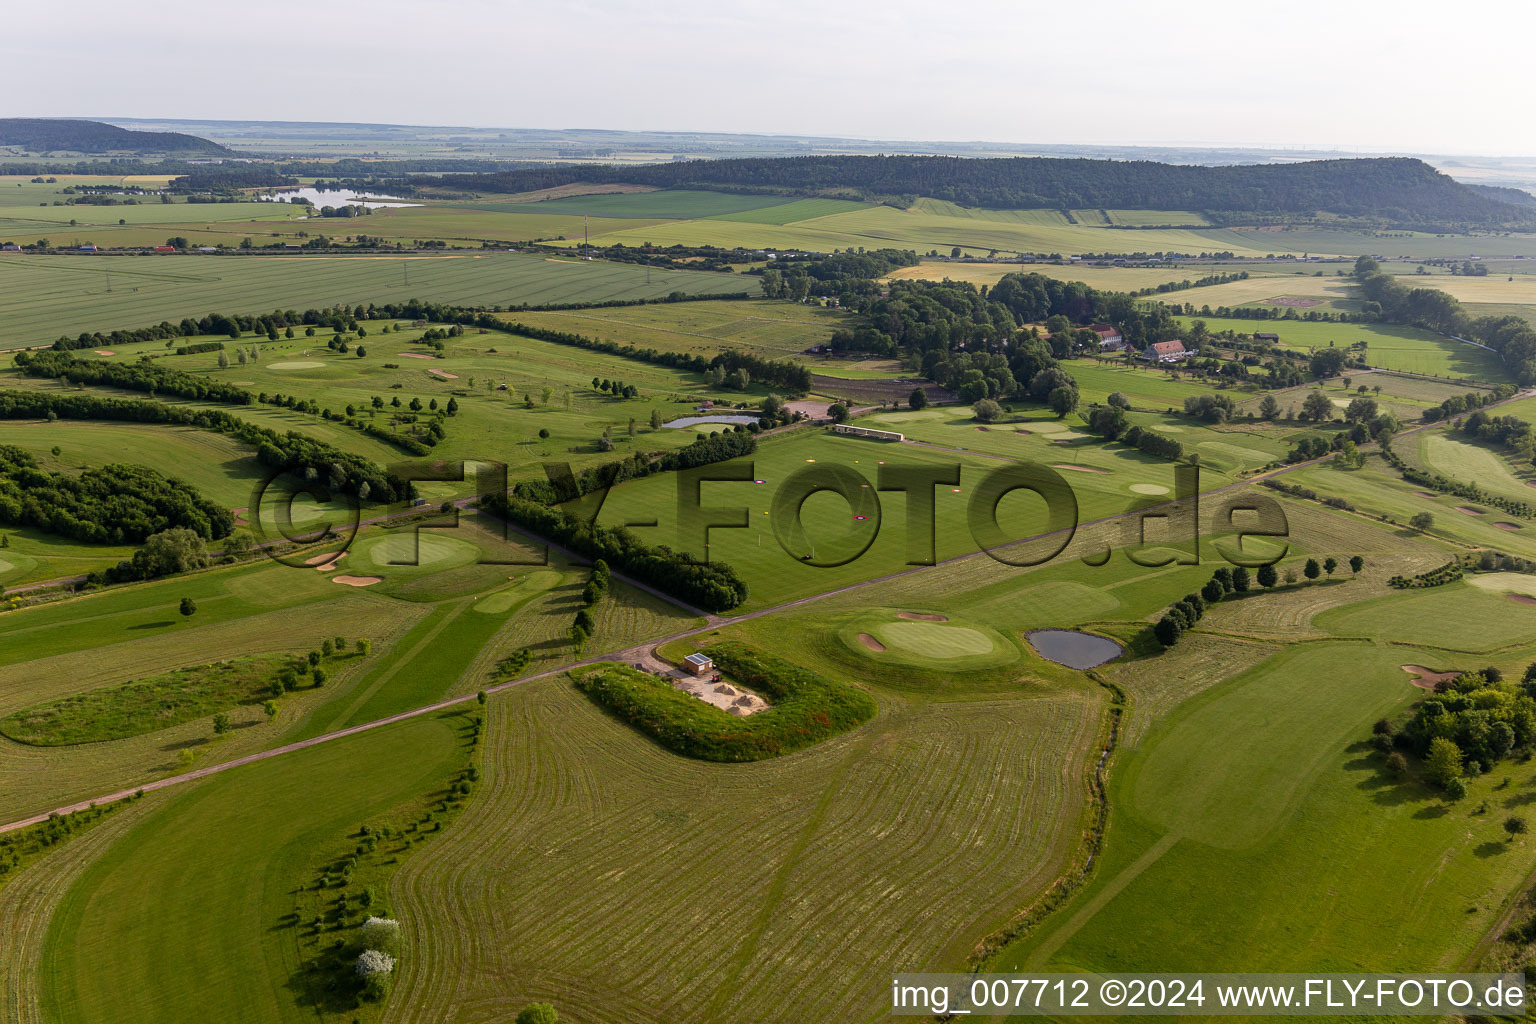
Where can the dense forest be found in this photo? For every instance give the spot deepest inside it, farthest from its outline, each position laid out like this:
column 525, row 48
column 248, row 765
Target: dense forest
column 114, row 504
column 1396, row 190
column 57, row 135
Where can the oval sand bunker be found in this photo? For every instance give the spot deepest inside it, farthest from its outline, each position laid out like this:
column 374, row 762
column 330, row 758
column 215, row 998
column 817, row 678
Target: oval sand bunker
column 1148, row 489
column 871, row 642
column 298, row 364
column 357, row 581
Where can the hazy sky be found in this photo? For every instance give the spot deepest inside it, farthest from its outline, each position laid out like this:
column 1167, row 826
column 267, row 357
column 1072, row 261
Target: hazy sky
column 1405, row 75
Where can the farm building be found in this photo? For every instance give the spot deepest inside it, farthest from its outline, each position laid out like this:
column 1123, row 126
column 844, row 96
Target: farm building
column 867, row 432
column 10, row 247
column 1110, row 339
column 1266, row 337
column 1166, row 352
column 698, row 664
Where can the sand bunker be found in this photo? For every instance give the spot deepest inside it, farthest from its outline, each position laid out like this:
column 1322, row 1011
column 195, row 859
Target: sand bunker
column 1469, row 510
column 1148, row 489
column 871, row 642
column 329, row 556
column 1509, row 526
column 922, row 616
column 239, row 514
column 1521, row 598
column 297, row 364
column 357, row 581
column 443, row 373
column 1078, row 469
column 417, row 355
column 328, row 566
column 1426, row 678
column 105, row 352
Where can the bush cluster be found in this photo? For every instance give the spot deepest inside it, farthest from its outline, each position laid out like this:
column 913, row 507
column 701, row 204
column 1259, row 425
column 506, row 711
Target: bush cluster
column 807, row 708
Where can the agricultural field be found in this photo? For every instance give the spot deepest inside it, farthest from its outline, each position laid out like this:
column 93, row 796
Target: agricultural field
column 1389, row 347
column 1108, row 278
column 105, row 293
column 767, row 328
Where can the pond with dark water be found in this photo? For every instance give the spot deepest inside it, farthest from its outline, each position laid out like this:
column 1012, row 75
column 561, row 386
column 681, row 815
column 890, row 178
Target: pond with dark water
column 1073, row 649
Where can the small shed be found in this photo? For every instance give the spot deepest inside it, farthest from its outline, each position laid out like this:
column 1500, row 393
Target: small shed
column 699, row 664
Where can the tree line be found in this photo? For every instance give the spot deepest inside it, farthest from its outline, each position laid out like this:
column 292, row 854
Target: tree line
column 712, row 586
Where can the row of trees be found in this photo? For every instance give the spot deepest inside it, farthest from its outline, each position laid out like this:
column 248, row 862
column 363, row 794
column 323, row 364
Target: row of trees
column 712, row 586
column 585, row 624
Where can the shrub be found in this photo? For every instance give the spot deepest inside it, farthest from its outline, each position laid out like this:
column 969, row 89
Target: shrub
column 537, row 1013
column 381, row 934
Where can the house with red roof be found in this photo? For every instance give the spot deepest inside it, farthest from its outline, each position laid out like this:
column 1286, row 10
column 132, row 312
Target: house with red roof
column 1166, row 352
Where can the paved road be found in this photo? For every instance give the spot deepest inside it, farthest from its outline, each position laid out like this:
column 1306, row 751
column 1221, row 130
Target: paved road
column 638, row 652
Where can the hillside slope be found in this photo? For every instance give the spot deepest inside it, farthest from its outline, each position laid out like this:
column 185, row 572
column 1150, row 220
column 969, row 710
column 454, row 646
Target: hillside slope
column 49, row 135
column 1394, row 190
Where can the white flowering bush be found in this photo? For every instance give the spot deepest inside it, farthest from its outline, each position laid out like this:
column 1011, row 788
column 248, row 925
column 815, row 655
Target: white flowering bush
column 382, row 934
column 372, row 962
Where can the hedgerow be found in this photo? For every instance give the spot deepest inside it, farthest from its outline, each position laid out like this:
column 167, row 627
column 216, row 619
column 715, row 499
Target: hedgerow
column 807, row 708
column 712, row 586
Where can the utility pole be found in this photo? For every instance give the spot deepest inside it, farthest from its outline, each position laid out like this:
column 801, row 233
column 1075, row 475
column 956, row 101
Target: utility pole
column 405, row 267
column 108, row 269
column 586, row 236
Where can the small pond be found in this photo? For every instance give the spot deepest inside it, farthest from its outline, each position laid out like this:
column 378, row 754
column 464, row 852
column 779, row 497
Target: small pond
column 693, row 421
column 337, row 197
column 1073, row 649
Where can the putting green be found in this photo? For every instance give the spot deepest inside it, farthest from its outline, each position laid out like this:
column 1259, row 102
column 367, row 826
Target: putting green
column 913, row 416
column 300, row 511
column 1505, row 582
column 298, row 364
column 504, row 599
column 934, row 639
column 5, row 567
column 937, row 646
column 415, row 551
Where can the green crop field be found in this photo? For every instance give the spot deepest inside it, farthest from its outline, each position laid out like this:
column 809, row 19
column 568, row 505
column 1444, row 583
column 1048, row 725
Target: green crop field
column 145, row 290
